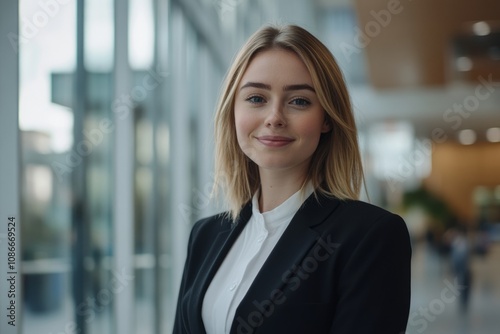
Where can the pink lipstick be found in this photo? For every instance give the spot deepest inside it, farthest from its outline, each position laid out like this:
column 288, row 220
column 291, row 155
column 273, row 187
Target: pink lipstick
column 275, row 141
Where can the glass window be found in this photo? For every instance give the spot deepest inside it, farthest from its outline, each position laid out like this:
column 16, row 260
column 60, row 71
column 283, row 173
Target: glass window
column 46, row 60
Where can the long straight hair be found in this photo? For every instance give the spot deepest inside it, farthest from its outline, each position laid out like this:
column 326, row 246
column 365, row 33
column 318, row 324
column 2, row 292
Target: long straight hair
column 335, row 168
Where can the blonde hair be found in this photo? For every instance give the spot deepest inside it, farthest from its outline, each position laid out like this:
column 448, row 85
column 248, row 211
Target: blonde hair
column 335, row 169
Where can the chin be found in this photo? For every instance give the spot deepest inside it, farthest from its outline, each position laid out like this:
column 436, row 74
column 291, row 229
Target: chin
column 276, row 165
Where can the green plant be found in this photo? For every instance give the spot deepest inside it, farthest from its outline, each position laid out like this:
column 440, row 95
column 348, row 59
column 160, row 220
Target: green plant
column 434, row 206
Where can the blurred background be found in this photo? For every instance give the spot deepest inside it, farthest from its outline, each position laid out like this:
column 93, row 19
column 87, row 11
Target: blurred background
column 116, row 101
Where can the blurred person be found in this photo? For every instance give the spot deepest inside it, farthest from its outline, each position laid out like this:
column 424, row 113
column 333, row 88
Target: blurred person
column 461, row 265
column 297, row 252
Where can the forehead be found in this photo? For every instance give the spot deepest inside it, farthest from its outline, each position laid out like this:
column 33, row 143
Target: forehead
column 277, row 65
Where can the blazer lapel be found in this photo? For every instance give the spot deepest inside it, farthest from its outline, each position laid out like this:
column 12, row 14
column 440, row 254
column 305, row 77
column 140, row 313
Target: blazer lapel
column 221, row 246
column 293, row 245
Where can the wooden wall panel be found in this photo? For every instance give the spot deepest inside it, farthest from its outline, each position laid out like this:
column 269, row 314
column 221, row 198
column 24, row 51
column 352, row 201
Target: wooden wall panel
column 415, row 47
column 457, row 170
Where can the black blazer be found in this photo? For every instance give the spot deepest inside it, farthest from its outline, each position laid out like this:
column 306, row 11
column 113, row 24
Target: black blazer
column 340, row 267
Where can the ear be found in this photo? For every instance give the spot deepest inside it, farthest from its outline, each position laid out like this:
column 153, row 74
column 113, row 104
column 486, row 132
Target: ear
column 327, row 126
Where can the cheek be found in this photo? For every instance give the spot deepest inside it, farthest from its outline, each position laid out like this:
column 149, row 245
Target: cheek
column 242, row 128
column 243, row 123
column 311, row 130
column 246, row 124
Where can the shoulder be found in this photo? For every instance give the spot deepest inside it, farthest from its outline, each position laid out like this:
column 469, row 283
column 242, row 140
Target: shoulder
column 211, row 225
column 203, row 233
column 221, row 222
column 360, row 215
column 367, row 234
column 356, row 221
column 356, row 208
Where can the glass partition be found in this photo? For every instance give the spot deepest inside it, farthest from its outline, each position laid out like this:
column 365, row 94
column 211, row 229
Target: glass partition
column 47, row 49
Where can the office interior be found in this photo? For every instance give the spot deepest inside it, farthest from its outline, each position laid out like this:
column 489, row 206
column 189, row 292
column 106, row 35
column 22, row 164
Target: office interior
column 106, row 119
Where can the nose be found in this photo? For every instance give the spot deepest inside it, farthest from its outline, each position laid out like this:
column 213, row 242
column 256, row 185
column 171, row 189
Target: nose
column 276, row 118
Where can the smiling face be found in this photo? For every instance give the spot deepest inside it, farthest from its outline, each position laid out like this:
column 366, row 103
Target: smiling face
column 278, row 117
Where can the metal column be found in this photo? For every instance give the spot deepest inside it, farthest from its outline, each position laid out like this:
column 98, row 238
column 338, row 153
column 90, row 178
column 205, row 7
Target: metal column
column 10, row 221
column 123, row 212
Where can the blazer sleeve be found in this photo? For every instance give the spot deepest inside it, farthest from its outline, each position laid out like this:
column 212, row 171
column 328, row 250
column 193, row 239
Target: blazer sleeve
column 374, row 284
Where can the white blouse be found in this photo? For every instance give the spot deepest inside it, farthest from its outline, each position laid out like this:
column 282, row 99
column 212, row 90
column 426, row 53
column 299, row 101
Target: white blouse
column 245, row 259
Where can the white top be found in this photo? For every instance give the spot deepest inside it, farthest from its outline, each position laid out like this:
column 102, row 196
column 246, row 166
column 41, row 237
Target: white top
column 245, row 259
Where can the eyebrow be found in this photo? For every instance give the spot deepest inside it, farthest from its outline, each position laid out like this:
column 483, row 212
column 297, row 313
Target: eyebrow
column 285, row 88
column 298, row 87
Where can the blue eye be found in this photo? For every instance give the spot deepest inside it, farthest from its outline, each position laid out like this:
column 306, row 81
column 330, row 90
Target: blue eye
column 301, row 102
column 255, row 99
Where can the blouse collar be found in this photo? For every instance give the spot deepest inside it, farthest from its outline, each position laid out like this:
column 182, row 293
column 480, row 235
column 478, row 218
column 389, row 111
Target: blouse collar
column 284, row 212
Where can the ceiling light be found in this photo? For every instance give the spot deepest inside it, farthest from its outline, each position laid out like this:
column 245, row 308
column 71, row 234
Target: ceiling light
column 481, row 28
column 493, row 135
column 464, row 64
column 467, row 137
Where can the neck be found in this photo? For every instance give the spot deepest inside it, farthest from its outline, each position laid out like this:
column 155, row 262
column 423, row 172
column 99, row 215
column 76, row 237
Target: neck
column 277, row 186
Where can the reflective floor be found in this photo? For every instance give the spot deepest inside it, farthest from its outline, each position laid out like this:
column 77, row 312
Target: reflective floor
column 436, row 295
column 435, row 300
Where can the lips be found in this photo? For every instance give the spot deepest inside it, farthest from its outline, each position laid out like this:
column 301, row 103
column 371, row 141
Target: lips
column 274, row 141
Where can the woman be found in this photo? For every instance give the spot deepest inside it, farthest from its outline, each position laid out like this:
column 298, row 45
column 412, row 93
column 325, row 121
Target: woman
column 296, row 252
